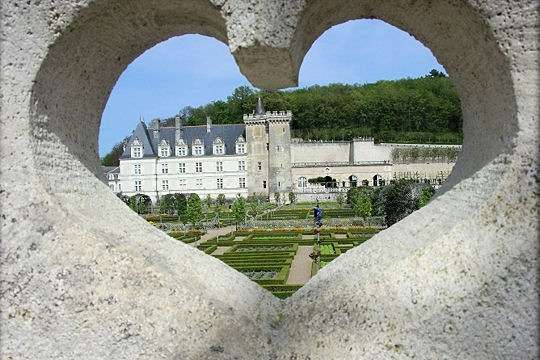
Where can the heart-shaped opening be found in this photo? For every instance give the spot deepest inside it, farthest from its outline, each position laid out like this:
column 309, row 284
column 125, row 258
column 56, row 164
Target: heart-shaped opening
column 401, row 294
column 241, row 183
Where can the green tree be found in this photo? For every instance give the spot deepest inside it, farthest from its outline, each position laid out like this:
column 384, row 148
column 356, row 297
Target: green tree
column 254, row 206
column 239, row 210
column 113, row 157
column 362, row 202
column 167, row 204
column 208, row 201
column 194, row 209
column 180, row 205
column 221, row 200
column 398, row 201
column 140, row 203
column 341, row 199
column 426, row 194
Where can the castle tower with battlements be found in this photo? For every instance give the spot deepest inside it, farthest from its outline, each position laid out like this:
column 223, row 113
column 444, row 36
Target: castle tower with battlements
column 268, row 137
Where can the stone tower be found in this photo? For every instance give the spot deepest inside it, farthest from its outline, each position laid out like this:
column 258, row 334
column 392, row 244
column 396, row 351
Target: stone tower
column 268, row 136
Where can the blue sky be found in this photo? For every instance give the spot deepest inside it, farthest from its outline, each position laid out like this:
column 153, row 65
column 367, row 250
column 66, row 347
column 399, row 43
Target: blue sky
column 194, row 70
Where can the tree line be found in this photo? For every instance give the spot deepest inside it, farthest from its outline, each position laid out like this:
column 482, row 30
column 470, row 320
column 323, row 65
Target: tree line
column 421, row 110
column 394, row 201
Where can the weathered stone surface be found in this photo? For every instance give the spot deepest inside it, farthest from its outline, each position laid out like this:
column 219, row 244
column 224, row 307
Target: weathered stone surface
column 82, row 277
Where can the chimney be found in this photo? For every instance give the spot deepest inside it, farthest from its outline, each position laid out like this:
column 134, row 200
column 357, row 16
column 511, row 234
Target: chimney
column 178, row 128
column 259, row 109
column 208, row 124
column 156, row 128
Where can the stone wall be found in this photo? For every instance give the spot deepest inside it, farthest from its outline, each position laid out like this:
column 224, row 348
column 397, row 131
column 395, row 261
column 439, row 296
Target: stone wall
column 319, row 151
column 84, row 278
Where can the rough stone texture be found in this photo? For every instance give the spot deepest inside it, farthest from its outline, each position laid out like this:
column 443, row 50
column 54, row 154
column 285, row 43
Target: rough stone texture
column 82, row 277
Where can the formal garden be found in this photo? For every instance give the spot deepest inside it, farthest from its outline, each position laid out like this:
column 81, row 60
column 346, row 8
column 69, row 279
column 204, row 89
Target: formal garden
column 278, row 246
column 282, row 260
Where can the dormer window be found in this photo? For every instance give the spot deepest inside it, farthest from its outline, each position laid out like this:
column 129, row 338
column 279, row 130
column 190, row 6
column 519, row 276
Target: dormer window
column 181, row 148
column 197, row 147
column 164, row 149
column 240, row 146
column 136, row 149
column 218, row 147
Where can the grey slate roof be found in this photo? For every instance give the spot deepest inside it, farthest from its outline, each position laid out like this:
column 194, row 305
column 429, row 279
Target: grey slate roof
column 228, row 133
column 110, row 169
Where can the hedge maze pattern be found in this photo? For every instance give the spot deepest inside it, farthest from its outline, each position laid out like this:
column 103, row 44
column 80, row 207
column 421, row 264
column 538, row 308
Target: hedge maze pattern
column 265, row 256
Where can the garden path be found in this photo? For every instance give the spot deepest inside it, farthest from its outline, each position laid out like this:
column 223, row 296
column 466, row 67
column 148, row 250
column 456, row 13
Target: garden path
column 212, row 233
column 221, row 250
column 301, row 266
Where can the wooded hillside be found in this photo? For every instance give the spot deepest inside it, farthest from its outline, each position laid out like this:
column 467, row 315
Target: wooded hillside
column 422, row 110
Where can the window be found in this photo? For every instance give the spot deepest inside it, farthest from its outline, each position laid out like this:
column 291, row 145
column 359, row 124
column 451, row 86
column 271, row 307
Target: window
column 165, row 185
column 164, row 168
column 181, row 151
column 278, row 148
column 136, row 152
column 259, row 166
column 197, row 147
column 136, row 149
column 164, row 151
column 219, row 147
column 264, row 184
column 219, row 166
column 240, row 145
column 112, row 187
column 138, row 185
column 302, row 182
column 198, row 150
column 198, row 183
column 242, row 183
column 181, row 168
column 267, row 146
column 279, row 185
column 119, row 187
column 240, row 148
column 137, row 169
column 198, row 167
column 219, row 150
column 241, row 165
column 220, row 183
column 111, row 176
column 182, row 184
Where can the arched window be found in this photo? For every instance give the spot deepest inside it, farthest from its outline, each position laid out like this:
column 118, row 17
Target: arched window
column 240, row 145
column 218, row 147
column 136, row 149
column 302, row 182
column 181, row 148
column 353, row 181
column 197, row 148
column 164, row 149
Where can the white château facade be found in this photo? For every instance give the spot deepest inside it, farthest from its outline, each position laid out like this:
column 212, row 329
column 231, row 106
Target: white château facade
column 207, row 160
column 257, row 157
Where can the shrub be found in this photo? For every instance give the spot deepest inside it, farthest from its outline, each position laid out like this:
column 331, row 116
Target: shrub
column 140, row 203
column 221, row 200
column 194, row 209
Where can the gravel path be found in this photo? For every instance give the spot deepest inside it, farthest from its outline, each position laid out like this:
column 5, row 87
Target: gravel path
column 301, row 266
column 221, row 250
column 212, row 233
